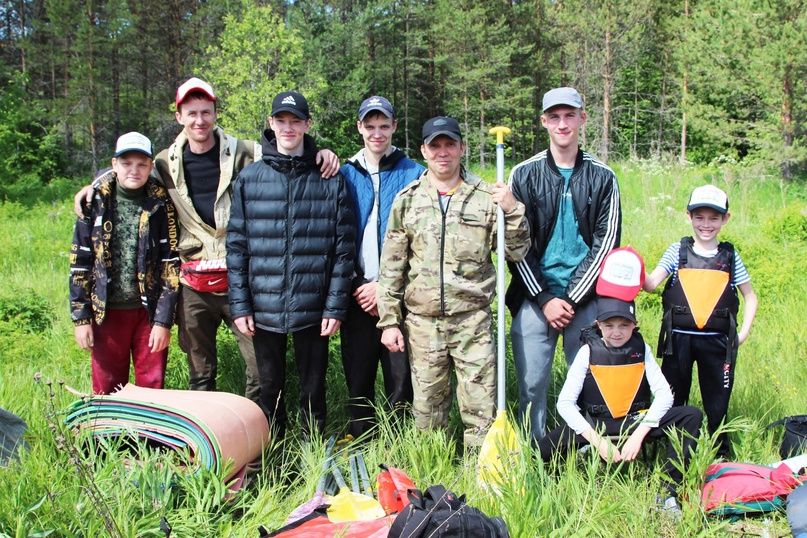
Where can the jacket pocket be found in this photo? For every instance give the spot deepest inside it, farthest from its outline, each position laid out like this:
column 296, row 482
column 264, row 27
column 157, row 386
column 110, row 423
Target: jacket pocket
column 471, row 242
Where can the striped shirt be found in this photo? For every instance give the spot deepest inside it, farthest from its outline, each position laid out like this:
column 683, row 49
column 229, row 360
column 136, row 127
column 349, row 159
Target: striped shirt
column 669, row 262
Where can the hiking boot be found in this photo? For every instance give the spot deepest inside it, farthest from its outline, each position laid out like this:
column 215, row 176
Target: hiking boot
column 669, row 507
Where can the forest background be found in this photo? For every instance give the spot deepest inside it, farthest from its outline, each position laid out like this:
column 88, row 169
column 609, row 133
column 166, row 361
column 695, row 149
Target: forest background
column 699, row 81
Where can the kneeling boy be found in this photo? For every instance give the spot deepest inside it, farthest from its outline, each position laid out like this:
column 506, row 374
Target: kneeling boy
column 124, row 271
column 608, row 392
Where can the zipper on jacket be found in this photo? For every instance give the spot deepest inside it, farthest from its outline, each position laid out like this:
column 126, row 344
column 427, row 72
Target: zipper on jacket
column 288, row 255
column 443, row 253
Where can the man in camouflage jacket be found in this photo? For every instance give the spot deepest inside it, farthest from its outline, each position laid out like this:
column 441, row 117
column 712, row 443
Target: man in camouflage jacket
column 438, row 277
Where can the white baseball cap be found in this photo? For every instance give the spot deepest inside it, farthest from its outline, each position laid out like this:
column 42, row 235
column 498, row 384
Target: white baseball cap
column 194, row 85
column 621, row 274
column 709, row 196
column 133, row 141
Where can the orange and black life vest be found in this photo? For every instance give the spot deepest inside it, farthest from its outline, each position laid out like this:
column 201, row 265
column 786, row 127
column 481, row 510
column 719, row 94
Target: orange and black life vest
column 702, row 297
column 615, row 384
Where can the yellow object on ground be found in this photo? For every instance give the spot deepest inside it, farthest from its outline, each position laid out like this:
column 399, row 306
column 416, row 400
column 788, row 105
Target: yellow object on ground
column 349, row 505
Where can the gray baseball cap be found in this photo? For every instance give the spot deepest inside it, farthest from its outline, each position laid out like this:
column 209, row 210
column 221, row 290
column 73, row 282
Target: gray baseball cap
column 562, row 96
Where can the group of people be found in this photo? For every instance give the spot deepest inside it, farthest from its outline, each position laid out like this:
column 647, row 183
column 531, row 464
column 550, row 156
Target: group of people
column 397, row 258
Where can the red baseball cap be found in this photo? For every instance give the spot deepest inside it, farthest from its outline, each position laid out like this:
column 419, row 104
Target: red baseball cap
column 194, row 85
column 621, row 274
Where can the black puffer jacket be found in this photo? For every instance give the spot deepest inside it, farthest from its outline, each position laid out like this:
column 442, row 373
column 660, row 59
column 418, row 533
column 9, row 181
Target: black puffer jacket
column 290, row 242
column 595, row 194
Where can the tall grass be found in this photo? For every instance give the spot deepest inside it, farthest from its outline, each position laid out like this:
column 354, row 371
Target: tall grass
column 44, row 494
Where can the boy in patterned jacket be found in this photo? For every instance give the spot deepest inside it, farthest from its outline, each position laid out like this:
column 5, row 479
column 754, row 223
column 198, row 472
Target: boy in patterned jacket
column 124, row 271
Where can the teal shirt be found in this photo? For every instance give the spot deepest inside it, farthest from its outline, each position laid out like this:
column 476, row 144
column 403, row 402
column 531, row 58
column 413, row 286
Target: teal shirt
column 566, row 248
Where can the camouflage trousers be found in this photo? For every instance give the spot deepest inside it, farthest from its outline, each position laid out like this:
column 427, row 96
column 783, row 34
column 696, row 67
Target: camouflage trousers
column 463, row 342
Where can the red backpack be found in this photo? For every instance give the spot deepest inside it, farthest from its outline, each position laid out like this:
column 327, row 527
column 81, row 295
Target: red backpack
column 739, row 488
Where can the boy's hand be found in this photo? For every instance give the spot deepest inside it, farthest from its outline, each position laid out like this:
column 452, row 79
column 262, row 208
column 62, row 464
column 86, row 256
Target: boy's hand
column 83, row 196
column 393, row 339
column 503, row 197
column 329, row 326
column 329, row 163
column 246, row 325
column 558, row 313
column 634, row 443
column 608, row 451
column 84, row 337
column 366, row 297
column 159, row 338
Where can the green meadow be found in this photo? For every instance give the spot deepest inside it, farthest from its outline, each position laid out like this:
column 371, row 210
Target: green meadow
column 65, row 487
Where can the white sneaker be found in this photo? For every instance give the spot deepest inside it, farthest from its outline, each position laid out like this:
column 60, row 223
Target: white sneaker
column 669, row 507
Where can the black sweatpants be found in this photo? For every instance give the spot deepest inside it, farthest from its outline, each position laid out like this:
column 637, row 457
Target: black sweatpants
column 676, row 420
column 715, row 376
column 311, row 356
column 362, row 350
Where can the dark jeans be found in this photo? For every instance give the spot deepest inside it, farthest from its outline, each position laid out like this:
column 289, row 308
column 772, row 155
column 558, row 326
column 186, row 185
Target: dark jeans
column 199, row 316
column 676, row 420
column 311, row 357
column 715, row 376
column 362, row 350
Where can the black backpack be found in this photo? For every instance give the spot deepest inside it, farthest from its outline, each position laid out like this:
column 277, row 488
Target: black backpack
column 794, row 440
column 438, row 512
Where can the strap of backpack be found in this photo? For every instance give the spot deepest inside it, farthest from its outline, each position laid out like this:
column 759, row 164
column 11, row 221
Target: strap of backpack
column 724, row 469
column 777, row 423
column 683, row 248
column 414, row 519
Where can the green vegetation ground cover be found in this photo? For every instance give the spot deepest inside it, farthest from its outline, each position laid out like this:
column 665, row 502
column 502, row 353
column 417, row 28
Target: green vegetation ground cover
column 45, row 495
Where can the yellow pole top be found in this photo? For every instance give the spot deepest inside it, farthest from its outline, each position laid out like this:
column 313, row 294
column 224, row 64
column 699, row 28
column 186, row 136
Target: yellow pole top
column 500, row 131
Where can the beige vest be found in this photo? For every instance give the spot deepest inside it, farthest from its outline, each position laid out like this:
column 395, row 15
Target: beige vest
column 197, row 240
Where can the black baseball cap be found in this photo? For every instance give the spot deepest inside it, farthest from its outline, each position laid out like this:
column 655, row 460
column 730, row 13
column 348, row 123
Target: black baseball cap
column 291, row 102
column 441, row 125
column 376, row 103
column 608, row 307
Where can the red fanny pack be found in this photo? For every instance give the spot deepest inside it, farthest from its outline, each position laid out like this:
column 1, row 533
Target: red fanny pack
column 206, row 275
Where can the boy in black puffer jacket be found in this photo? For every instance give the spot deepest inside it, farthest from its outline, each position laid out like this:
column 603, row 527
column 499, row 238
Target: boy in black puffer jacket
column 290, row 252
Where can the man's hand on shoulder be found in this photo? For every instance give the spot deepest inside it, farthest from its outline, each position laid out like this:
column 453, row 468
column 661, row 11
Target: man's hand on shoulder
column 84, row 196
column 558, row 313
column 329, row 163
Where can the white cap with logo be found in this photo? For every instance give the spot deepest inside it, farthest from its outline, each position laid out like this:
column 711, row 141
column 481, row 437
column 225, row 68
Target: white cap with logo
column 621, row 274
column 133, row 141
column 709, row 196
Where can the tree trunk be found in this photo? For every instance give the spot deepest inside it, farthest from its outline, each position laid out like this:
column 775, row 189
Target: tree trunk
column 787, row 120
column 406, row 78
column 684, row 91
column 606, row 98
column 662, row 108
column 635, row 107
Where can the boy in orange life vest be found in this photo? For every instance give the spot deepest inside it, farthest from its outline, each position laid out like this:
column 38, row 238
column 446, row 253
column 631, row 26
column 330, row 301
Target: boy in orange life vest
column 608, row 391
column 700, row 309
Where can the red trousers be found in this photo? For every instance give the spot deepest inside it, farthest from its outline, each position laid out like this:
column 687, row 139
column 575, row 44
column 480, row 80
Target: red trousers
column 125, row 334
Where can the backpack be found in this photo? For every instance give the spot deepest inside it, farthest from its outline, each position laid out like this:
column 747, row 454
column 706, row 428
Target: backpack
column 438, row 512
column 794, row 440
column 740, row 488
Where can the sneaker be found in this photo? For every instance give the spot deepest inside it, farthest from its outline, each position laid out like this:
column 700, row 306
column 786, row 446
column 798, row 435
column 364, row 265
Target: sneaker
column 669, row 507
